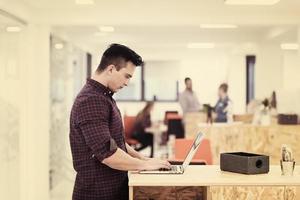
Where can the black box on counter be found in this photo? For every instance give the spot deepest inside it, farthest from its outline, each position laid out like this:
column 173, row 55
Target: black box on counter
column 245, row 163
column 287, row 118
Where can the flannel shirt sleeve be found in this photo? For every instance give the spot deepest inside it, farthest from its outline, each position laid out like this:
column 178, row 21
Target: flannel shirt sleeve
column 93, row 120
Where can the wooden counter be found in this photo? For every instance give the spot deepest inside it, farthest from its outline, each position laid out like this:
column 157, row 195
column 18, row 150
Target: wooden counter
column 245, row 137
column 211, row 175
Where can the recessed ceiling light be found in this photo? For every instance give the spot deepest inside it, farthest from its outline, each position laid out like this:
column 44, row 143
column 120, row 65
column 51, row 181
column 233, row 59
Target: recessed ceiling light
column 13, row 29
column 201, row 45
column 218, row 26
column 59, row 46
column 85, row 2
column 289, row 46
column 106, row 29
column 251, row 2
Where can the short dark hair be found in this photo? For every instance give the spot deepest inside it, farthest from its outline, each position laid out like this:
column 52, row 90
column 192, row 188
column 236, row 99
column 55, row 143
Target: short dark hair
column 118, row 55
column 224, row 87
column 266, row 102
column 187, row 79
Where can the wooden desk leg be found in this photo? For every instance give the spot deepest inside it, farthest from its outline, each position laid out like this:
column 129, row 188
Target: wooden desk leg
column 206, row 193
column 131, row 193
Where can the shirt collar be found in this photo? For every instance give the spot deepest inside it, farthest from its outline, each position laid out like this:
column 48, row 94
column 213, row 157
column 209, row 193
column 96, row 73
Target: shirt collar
column 189, row 91
column 100, row 87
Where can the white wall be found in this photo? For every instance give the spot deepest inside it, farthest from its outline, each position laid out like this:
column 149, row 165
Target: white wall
column 34, row 138
column 291, row 70
column 24, row 86
column 10, row 114
column 289, row 93
column 268, row 70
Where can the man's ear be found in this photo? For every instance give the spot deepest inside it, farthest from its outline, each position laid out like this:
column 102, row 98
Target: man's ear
column 110, row 68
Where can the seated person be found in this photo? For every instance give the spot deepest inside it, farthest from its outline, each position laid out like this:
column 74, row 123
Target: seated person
column 143, row 120
column 262, row 115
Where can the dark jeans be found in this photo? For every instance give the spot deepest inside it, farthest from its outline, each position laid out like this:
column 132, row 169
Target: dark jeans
column 146, row 139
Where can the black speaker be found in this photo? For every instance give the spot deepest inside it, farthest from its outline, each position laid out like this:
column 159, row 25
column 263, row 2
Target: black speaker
column 245, row 163
column 287, row 119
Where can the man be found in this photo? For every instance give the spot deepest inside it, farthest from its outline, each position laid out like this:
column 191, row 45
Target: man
column 101, row 157
column 188, row 99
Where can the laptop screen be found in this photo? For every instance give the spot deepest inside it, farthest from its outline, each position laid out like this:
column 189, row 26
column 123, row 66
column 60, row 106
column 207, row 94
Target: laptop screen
column 193, row 150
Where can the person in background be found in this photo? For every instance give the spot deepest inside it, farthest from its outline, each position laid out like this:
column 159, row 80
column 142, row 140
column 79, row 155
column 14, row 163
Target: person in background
column 262, row 115
column 273, row 104
column 101, row 157
column 223, row 107
column 188, row 99
column 143, row 120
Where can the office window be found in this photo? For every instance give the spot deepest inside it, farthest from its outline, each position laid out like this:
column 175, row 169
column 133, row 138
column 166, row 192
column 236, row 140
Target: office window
column 250, row 63
column 161, row 80
column 133, row 91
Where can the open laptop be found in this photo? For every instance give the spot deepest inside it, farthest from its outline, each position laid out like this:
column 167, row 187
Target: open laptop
column 179, row 169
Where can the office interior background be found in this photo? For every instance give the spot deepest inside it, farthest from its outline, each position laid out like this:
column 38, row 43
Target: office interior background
column 49, row 47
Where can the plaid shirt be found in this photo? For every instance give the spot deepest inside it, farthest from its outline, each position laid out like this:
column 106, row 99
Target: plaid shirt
column 96, row 131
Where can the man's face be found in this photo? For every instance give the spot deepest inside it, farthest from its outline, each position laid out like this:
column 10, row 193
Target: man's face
column 188, row 84
column 120, row 79
column 221, row 93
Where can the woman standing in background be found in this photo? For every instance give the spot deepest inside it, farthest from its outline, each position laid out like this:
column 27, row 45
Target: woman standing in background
column 223, row 107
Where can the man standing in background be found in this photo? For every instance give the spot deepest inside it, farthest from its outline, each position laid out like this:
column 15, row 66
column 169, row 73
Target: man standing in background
column 101, row 157
column 188, row 99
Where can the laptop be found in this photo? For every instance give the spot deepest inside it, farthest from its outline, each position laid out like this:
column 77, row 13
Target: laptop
column 179, row 169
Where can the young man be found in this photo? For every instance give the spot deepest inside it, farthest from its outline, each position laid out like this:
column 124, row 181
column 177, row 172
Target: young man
column 101, row 157
column 188, row 99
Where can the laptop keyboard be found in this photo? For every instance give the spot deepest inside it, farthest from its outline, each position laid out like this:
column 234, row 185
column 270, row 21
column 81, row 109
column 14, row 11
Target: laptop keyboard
column 173, row 168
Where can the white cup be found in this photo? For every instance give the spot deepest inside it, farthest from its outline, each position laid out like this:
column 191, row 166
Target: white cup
column 287, row 167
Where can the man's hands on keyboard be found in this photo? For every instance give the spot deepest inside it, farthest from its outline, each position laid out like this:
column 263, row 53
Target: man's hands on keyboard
column 173, row 168
column 155, row 164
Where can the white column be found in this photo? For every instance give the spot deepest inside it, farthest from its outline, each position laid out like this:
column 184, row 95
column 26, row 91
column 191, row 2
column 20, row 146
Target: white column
column 35, row 117
column 291, row 66
column 299, row 46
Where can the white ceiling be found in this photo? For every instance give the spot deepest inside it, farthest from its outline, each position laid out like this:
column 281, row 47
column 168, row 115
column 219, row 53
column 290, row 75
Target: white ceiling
column 215, row 4
column 168, row 42
column 162, row 12
column 160, row 28
column 5, row 20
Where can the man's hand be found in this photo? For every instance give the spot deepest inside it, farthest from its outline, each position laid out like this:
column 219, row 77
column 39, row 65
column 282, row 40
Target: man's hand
column 154, row 164
column 144, row 158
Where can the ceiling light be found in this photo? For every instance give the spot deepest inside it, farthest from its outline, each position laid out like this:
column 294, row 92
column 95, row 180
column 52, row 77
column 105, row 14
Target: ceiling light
column 59, row 46
column 251, row 2
column 85, row 2
column 13, row 29
column 106, row 29
column 201, row 45
column 218, row 26
column 289, row 46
